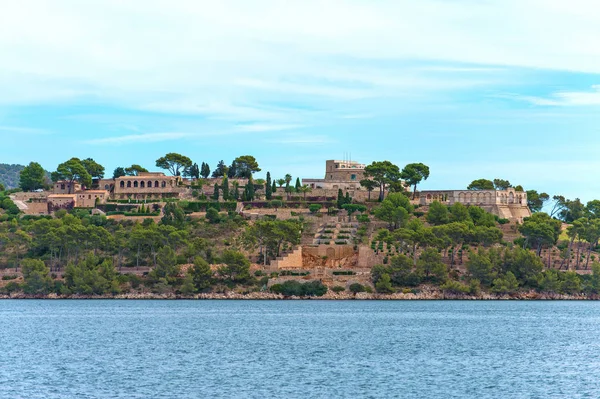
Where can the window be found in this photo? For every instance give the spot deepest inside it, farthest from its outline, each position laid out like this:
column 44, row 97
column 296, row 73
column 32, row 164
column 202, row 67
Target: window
column 156, row 184
column 163, row 184
column 149, row 185
column 106, row 186
column 122, row 184
column 62, row 186
column 135, row 184
column 352, row 177
column 142, row 184
column 128, row 184
column 90, row 196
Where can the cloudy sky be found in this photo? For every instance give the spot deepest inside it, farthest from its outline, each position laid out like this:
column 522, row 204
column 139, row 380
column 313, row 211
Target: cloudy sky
column 473, row 88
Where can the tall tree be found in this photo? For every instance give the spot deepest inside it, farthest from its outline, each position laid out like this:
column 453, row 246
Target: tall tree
column 119, row 172
column 297, row 185
column 246, row 166
column 305, row 190
column 135, row 170
column 204, row 170
column 93, row 168
column 481, row 184
column 193, row 171
column 32, row 177
column 268, row 187
column 369, row 184
column 501, row 184
column 72, row 171
column 173, row 162
column 216, row 192
column 383, row 173
column 225, row 189
column 414, row 173
column 220, row 170
column 536, row 200
column 395, row 210
column 280, row 182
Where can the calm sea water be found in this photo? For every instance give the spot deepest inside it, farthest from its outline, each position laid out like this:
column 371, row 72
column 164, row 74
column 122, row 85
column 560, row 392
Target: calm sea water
column 299, row 349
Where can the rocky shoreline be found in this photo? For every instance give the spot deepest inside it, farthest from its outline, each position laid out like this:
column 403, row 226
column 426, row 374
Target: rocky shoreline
column 423, row 295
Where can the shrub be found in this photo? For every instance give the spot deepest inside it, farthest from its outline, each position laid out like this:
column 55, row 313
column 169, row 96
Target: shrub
column 338, row 289
column 455, row 287
column 9, row 277
column 356, row 288
column 296, row 288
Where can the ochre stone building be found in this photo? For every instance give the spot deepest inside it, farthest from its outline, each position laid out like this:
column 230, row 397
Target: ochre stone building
column 339, row 174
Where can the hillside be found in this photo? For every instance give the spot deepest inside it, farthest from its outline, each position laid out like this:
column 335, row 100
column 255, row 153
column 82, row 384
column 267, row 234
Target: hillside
column 9, row 175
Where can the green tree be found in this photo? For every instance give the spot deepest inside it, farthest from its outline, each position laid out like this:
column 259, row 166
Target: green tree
column 212, row 216
column 37, row 277
column 383, row 173
column 501, row 184
column 236, row 269
column 225, row 189
column 221, row 170
column 536, row 200
column 314, row 208
column 413, row 174
column 32, row 177
column 297, row 185
column 506, row 284
column 395, row 210
column 93, row 168
column 369, row 185
column 437, row 214
column 246, row 165
column 202, row 275
column 305, row 190
column 539, row 230
column 166, row 265
column 174, row 163
column 268, row 187
column 135, row 170
column 481, row 184
column 119, row 172
column 72, row 171
column 430, row 265
column 215, row 195
column 193, row 171
column 205, row 170
column 480, row 267
column 459, row 213
column 340, row 199
column 384, row 284
column 173, row 215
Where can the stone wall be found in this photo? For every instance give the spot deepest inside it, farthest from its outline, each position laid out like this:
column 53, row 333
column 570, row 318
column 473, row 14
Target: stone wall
column 291, row 261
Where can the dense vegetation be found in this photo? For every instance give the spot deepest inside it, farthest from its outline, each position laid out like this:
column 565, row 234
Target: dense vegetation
column 459, row 248
column 9, row 175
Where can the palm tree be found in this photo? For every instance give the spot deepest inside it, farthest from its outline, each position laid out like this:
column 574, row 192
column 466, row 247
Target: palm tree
column 305, row 189
column 280, row 182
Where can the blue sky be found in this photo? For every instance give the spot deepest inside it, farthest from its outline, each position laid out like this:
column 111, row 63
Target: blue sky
column 474, row 89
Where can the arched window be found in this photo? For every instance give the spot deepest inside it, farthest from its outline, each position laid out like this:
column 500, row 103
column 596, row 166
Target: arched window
column 135, row 184
column 142, row 184
column 164, row 184
column 156, row 184
column 128, row 184
column 149, row 185
column 122, row 184
column 106, row 186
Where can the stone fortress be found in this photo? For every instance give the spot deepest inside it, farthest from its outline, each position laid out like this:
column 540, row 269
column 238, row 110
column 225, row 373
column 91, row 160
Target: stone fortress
column 339, row 174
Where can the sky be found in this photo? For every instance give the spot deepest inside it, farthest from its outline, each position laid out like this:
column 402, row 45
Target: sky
column 472, row 88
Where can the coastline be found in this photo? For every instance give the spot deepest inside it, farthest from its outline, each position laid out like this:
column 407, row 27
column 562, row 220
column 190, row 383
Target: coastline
column 331, row 296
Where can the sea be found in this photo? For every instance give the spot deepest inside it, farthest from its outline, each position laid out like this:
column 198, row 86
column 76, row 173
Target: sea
column 299, row 349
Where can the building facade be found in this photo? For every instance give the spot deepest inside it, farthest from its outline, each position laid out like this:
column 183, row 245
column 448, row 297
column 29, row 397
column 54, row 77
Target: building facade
column 148, row 185
column 339, row 174
column 65, row 187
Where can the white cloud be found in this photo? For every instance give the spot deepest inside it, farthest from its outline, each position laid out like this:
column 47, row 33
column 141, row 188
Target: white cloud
column 140, row 138
column 568, row 98
column 229, row 59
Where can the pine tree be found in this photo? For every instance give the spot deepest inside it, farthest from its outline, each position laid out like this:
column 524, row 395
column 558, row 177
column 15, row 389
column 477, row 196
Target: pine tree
column 204, row 170
column 225, row 189
column 268, row 187
column 216, row 192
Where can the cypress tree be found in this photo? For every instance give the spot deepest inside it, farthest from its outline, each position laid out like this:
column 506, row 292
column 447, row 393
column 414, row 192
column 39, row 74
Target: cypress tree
column 216, row 193
column 347, row 200
column 268, row 187
column 274, row 188
column 340, row 199
column 236, row 193
column 298, row 185
column 225, row 189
